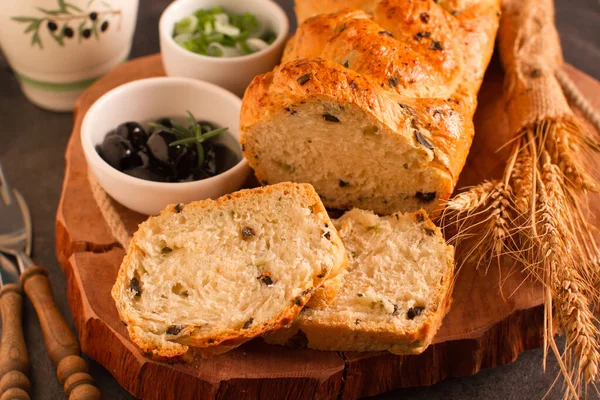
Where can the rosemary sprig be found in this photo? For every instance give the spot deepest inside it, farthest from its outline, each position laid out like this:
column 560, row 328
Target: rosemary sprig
column 190, row 135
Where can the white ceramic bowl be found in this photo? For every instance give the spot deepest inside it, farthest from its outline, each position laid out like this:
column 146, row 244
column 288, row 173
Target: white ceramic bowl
column 147, row 100
column 235, row 73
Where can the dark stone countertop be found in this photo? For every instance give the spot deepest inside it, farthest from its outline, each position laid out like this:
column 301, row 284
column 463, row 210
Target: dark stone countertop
column 32, row 145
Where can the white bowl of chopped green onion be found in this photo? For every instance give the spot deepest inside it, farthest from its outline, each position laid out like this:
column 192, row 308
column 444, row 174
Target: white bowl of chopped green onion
column 225, row 42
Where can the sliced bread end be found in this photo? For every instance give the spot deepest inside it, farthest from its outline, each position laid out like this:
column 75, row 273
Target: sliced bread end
column 395, row 294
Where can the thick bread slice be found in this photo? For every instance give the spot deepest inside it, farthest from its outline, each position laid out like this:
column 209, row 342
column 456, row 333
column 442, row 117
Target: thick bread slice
column 395, row 294
column 360, row 146
column 216, row 273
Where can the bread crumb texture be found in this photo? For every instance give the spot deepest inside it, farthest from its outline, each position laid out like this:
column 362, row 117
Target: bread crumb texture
column 395, row 293
column 224, row 271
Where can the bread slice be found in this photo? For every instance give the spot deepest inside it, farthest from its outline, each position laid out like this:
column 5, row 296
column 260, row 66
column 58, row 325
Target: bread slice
column 395, row 294
column 215, row 273
column 360, row 146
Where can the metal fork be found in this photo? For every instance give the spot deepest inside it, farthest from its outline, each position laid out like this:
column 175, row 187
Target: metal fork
column 61, row 343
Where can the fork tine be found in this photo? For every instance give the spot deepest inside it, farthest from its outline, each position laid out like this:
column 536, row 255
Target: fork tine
column 26, row 220
column 5, row 190
column 4, row 262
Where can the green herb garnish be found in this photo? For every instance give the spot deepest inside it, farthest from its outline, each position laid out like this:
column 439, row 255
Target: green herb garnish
column 218, row 33
column 191, row 135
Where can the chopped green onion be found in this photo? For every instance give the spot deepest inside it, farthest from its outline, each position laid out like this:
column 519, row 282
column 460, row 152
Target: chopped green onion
column 218, row 33
column 269, row 37
column 186, row 25
column 227, row 29
column 218, row 50
column 256, row 44
column 182, row 38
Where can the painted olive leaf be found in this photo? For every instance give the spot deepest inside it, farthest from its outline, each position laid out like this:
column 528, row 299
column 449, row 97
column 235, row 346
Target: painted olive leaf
column 58, row 27
column 24, row 19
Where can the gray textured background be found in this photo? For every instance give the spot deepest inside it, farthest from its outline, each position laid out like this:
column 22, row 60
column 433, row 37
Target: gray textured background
column 32, row 144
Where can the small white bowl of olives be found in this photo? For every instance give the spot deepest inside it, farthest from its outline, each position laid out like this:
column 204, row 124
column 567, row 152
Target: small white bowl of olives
column 160, row 141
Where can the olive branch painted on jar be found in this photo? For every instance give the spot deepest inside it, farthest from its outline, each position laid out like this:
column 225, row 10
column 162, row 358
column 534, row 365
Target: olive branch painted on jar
column 67, row 21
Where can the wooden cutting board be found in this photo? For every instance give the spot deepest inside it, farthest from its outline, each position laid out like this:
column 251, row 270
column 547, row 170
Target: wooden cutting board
column 488, row 325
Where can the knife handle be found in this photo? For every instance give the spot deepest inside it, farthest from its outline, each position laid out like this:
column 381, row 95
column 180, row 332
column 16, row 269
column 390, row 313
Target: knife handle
column 61, row 343
column 14, row 360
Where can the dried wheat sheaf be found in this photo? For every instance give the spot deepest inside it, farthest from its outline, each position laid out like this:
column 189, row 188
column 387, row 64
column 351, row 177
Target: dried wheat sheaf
column 536, row 212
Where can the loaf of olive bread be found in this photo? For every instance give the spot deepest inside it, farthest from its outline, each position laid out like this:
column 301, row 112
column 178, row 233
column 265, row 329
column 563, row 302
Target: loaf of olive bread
column 373, row 105
column 213, row 274
column 394, row 295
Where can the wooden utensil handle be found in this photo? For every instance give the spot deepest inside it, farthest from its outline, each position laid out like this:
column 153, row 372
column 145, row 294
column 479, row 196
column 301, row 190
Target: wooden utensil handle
column 61, row 343
column 14, row 360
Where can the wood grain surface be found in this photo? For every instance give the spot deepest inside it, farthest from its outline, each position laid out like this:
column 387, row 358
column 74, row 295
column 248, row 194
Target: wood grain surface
column 61, row 343
column 493, row 319
column 14, row 359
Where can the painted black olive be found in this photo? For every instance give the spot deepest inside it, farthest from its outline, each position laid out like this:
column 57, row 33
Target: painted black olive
column 68, row 32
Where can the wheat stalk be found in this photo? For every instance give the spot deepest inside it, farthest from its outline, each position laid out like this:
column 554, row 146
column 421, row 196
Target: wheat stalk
column 522, row 181
column 563, row 143
column 533, row 215
column 562, row 269
column 472, row 199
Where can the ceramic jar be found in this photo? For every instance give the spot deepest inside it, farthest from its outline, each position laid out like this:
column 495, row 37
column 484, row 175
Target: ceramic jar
column 57, row 48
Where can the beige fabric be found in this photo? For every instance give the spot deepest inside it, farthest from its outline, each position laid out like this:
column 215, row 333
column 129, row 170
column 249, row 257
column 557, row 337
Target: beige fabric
column 575, row 97
column 531, row 56
column 111, row 216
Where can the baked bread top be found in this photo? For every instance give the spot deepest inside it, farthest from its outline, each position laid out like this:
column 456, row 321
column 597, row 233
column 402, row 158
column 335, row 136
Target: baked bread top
column 419, row 48
column 373, row 105
column 400, row 57
column 214, row 274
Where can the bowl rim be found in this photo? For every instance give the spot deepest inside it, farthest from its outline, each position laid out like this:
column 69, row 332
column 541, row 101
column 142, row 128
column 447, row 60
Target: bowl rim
column 95, row 162
column 281, row 37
